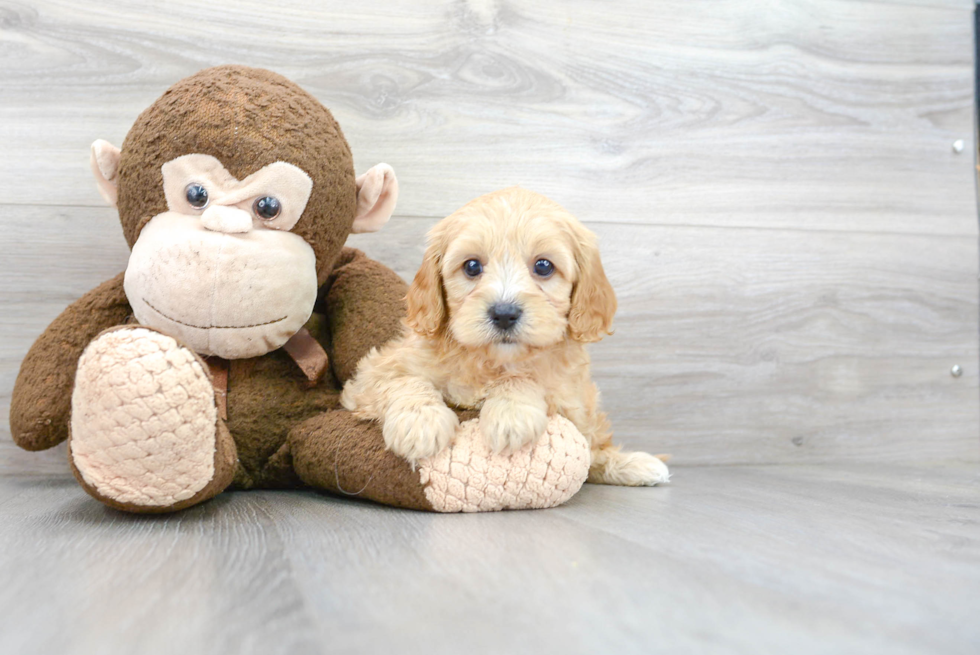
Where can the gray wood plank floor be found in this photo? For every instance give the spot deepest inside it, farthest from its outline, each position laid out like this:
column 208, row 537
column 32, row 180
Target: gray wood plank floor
column 780, row 559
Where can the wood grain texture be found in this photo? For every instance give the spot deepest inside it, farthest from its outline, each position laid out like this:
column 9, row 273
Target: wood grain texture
column 825, row 115
column 774, row 346
column 790, row 559
column 731, row 345
column 791, row 235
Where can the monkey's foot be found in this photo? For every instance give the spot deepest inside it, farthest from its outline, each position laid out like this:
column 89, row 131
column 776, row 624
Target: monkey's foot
column 468, row 477
column 145, row 432
column 340, row 453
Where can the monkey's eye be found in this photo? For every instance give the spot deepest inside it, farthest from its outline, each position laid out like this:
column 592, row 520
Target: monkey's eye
column 267, row 208
column 197, row 196
column 544, row 268
column 472, row 267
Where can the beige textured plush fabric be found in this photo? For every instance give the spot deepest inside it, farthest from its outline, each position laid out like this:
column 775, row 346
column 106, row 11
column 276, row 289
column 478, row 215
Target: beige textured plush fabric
column 377, row 191
column 289, row 184
column 261, row 290
column 467, row 477
column 143, row 423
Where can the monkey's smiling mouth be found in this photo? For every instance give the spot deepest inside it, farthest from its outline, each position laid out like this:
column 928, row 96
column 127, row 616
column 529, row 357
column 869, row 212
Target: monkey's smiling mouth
column 211, row 327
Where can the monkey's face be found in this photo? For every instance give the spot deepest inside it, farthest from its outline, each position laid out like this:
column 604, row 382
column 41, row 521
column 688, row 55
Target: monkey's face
column 220, row 270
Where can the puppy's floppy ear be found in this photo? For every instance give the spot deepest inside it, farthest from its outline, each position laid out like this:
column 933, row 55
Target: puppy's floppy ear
column 426, row 302
column 593, row 298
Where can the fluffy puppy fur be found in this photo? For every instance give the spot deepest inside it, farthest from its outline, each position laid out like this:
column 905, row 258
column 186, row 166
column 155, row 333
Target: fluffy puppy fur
column 490, row 327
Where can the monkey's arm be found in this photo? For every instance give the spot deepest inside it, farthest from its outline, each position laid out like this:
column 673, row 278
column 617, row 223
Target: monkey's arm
column 41, row 400
column 365, row 304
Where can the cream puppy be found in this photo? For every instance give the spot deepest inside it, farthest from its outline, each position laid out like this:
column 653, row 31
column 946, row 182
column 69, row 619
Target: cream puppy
column 510, row 290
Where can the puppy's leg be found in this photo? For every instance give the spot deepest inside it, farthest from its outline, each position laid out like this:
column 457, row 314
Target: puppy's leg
column 415, row 421
column 514, row 414
column 610, row 464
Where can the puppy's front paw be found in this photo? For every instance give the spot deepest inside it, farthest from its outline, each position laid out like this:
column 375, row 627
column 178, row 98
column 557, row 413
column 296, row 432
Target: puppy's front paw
column 418, row 432
column 508, row 423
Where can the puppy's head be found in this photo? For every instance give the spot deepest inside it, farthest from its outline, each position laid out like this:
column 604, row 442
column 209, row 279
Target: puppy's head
column 511, row 271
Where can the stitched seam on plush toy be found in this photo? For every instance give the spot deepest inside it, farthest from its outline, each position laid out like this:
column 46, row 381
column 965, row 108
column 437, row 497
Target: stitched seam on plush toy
column 211, row 327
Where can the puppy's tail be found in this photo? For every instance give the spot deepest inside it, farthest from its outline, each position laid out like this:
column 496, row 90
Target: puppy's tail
column 610, row 465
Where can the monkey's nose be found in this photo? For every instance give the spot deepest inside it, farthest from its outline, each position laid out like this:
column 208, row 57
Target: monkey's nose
column 230, row 220
column 505, row 314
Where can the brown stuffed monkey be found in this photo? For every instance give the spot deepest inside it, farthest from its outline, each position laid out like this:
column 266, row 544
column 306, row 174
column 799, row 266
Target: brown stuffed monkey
column 216, row 360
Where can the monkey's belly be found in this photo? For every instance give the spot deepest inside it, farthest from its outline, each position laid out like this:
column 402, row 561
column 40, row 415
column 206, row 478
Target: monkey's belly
column 268, row 396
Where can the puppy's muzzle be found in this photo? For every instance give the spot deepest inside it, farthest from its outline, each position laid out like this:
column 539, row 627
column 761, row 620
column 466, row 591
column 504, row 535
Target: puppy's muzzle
column 505, row 316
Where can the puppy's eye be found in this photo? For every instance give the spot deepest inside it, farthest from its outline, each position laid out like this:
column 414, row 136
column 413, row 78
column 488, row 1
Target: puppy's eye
column 267, row 208
column 197, row 196
column 472, row 267
column 544, row 268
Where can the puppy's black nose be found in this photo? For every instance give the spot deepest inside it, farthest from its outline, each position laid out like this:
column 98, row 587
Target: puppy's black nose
column 505, row 314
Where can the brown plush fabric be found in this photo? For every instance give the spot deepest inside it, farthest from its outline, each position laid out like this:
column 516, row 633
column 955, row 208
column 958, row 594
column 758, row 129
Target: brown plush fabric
column 269, row 395
column 336, row 452
column 41, row 400
column 358, row 304
column 247, row 118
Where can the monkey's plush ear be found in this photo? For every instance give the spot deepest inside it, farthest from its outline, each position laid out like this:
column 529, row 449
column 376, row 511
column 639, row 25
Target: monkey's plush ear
column 377, row 191
column 105, row 167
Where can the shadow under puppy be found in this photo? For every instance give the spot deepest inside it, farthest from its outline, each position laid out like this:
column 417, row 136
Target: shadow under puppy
column 510, row 290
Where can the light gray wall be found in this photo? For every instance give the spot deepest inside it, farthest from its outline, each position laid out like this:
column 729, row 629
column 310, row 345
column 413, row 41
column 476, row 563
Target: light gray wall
column 791, row 233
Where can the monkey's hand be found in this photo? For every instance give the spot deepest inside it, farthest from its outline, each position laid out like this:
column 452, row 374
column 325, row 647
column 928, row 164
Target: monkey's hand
column 364, row 307
column 41, row 400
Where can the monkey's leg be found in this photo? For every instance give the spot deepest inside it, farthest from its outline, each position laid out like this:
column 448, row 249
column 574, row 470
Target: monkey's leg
column 339, row 453
column 145, row 431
